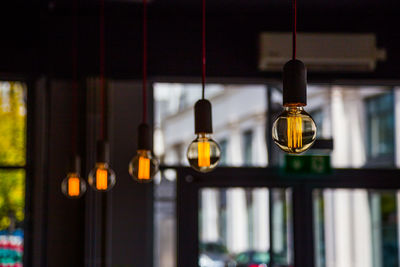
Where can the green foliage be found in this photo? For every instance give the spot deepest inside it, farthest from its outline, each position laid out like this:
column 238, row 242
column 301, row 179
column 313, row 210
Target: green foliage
column 13, row 124
column 12, row 152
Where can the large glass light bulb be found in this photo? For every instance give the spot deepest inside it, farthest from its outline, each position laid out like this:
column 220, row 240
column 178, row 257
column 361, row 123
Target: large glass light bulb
column 203, row 153
column 143, row 166
column 73, row 186
column 294, row 131
column 101, row 177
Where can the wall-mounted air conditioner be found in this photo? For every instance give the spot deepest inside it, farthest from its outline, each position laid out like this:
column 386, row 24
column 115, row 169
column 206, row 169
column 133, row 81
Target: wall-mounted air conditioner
column 321, row 52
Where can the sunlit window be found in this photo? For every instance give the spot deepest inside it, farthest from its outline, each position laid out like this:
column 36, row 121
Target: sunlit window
column 12, row 171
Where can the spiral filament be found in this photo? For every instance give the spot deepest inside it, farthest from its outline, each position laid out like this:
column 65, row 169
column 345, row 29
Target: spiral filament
column 144, row 168
column 295, row 131
column 73, row 186
column 101, row 179
column 204, row 154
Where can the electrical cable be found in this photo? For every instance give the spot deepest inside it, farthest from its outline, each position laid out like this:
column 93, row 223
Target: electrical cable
column 102, row 71
column 74, row 112
column 294, row 30
column 144, row 86
column 204, row 49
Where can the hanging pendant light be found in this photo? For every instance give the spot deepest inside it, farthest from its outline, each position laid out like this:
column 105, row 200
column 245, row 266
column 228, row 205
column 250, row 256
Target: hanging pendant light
column 203, row 153
column 144, row 165
column 294, row 130
column 102, row 177
column 73, row 186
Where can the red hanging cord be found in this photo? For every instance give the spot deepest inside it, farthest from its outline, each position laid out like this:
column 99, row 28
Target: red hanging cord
column 204, row 49
column 102, row 71
column 74, row 112
column 144, row 86
column 294, row 30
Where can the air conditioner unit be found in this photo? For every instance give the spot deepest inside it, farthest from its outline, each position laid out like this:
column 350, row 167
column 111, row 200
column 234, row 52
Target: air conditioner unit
column 321, row 52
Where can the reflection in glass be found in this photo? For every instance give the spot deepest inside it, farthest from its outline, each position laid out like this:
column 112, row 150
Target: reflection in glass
column 234, row 227
column 355, row 227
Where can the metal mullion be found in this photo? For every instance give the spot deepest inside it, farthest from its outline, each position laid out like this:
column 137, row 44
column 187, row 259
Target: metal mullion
column 12, row 167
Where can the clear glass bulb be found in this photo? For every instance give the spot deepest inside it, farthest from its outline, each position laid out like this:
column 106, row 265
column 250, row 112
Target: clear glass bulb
column 203, row 153
column 101, row 177
column 294, row 131
column 73, row 186
column 143, row 166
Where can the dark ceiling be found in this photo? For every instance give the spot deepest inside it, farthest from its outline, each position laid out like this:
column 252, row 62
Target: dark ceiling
column 39, row 34
column 239, row 5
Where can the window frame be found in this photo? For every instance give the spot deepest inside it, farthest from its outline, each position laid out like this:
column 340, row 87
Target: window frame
column 189, row 184
column 28, row 166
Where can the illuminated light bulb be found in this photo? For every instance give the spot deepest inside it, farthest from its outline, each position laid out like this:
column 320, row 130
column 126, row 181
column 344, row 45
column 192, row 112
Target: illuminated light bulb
column 102, row 177
column 203, row 153
column 294, row 131
column 144, row 166
column 73, row 186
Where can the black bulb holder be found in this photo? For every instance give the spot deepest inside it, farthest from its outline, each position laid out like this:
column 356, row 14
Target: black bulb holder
column 294, row 83
column 103, row 151
column 144, row 137
column 74, row 164
column 203, row 117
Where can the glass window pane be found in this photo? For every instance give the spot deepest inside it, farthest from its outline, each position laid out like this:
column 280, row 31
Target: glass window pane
column 12, row 202
column 238, row 122
column 356, row 227
column 361, row 121
column 234, row 227
column 13, row 123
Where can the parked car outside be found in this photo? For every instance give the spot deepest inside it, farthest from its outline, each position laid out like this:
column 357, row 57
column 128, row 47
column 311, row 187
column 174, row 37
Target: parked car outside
column 254, row 258
column 214, row 254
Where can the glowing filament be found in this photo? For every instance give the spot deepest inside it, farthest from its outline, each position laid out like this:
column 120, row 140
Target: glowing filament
column 144, row 168
column 294, row 132
column 204, row 154
column 101, row 179
column 73, row 187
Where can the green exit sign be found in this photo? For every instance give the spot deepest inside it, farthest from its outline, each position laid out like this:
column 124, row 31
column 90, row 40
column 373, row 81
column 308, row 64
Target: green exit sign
column 308, row 164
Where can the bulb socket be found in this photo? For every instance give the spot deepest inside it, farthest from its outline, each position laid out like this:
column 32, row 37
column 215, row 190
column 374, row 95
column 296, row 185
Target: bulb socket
column 103, row 151
column 294, row 83
column 74, row 164
column 144, row 137
column 203, row 117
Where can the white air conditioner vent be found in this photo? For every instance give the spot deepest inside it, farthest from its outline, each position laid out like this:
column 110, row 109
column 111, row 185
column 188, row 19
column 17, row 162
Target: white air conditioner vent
column 321, row 52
